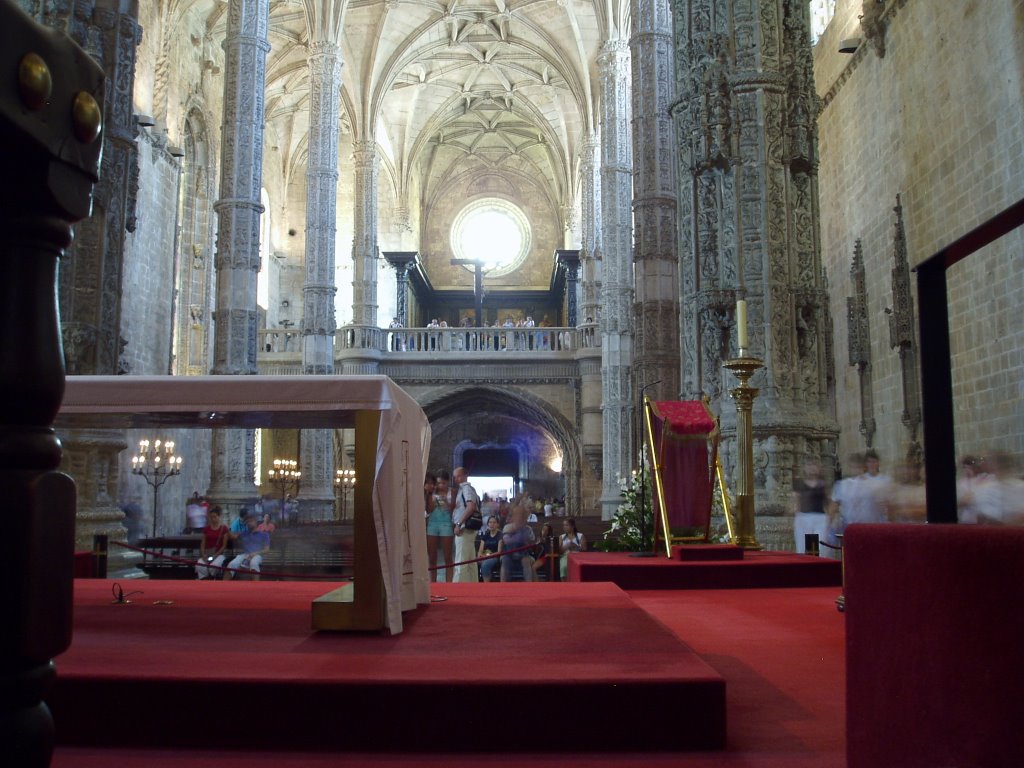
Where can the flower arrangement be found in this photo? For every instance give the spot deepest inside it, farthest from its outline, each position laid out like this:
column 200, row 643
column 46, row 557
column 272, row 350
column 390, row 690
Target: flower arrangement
column 632, row 528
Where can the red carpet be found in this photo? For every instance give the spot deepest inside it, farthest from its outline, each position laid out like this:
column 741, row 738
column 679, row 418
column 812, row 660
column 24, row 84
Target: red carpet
column 757, row 570
column 190, row 664
column 780, row 651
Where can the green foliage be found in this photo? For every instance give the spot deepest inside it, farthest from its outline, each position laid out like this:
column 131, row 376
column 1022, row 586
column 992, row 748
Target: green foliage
column 624, row 534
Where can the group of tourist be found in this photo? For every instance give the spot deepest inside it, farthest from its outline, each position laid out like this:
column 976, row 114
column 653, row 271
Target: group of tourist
column 990, row 491
column 473, row 546
column 248, row 533
column 510, row 333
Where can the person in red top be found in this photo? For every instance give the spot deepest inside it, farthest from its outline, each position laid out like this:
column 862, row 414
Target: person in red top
column 211, row 548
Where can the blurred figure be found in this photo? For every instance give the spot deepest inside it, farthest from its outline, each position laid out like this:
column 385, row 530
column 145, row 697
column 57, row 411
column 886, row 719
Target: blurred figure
column 1000, row 500
column 810, row 500
column 515, row 535
column 254, row 545
column 854, row 498
column 266, row 524
column 879, row 484
column 906, row 502
column 973, row 476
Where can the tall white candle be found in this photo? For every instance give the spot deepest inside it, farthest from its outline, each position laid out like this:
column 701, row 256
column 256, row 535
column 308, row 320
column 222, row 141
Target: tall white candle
column 741, row 323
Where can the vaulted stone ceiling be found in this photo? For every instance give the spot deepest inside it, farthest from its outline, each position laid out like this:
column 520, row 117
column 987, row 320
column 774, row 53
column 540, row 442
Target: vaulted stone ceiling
column 444, row 87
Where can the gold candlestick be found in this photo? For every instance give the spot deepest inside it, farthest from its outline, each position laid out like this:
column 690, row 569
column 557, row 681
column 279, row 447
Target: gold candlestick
column 743, row 367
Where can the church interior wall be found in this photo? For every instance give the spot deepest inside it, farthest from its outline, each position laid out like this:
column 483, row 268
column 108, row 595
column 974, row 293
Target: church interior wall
column 535, row 273
column 149, row 261
column 916, row 123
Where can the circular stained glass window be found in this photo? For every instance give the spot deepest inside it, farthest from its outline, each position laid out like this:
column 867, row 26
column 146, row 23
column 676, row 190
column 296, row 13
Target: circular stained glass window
column 494, row 232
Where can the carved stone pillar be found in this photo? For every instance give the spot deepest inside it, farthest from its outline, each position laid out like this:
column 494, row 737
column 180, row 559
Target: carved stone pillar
column 238, row 235
column 318, row 322
column 656, row 274
column 590, row 228
column 617, row 262
column 90, row 277
column 364, row 240
column 748, row 226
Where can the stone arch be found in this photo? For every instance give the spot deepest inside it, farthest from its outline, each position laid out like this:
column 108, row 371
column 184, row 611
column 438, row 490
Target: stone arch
column 445, row 406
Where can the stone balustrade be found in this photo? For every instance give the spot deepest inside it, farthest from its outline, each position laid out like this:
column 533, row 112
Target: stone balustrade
column 416, row 341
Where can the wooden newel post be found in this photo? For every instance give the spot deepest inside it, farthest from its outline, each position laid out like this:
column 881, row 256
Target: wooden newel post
column 51, row 94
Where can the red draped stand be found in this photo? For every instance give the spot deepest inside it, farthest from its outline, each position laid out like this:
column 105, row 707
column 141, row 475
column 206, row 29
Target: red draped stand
column 682, row 441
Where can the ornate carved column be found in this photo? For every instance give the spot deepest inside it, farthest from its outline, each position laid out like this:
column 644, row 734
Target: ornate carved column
column 590, row 228
column 318, row 322
column 656, row 274
column 859, row 342
column 588, row 356
column 90, row 276
column 617, row 262
column 364, row 240
column 902, row 322
column 748, row 226
column 238, row 234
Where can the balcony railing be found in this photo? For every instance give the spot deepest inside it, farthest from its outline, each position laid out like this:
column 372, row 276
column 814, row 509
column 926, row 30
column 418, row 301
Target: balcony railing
column 433, row 340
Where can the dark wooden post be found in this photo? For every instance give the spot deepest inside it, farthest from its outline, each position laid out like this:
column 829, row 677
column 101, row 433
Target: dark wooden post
column 51, row 94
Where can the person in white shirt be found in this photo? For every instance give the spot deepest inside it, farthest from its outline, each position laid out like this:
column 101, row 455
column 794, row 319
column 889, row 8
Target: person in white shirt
column 467, row 505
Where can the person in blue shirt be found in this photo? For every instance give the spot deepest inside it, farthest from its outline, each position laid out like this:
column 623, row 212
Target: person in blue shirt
column 255, row 543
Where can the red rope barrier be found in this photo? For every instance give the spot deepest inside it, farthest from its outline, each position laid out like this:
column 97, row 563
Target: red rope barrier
column 310, row 577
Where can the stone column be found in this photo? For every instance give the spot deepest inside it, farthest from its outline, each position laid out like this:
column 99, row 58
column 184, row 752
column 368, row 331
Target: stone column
column 364, row 240
column 238, row 235
column 590, row 228
column 90, row 277
column 656, row 274
column 748, row 216
column 617, row 262
column 318, row 323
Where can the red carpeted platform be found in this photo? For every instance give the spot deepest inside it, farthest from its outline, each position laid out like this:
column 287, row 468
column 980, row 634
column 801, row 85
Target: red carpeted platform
column 756, row 570
column 234, row 664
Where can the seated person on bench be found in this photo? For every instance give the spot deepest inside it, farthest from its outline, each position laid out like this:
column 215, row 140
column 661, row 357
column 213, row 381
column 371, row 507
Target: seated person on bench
column 211, row 548
column 254, row 544
column 515, row 535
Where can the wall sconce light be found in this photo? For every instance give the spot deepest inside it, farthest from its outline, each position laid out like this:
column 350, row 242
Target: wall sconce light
column 849, row 45
column 175, row 151
column 146, row 121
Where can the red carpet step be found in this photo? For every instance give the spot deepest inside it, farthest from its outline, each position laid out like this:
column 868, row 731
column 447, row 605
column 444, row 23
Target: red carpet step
column 756, row 570
column 235, row 665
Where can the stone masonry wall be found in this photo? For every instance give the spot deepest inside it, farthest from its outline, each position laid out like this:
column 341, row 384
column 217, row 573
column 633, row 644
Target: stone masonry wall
column 938, row 120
